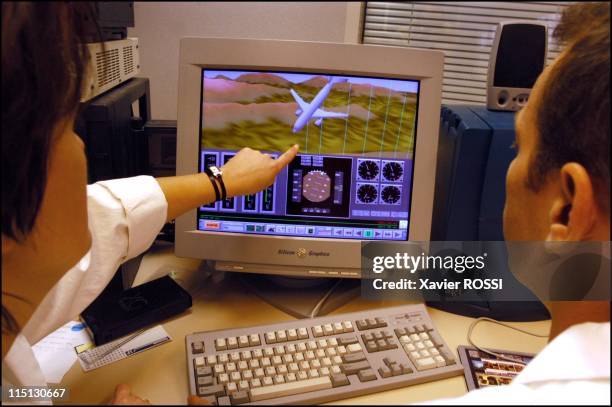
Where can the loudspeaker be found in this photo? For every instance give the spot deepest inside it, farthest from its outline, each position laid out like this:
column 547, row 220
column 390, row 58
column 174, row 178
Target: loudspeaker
column 517, row 58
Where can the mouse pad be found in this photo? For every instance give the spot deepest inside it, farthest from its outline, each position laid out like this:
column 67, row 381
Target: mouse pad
column 482, row 369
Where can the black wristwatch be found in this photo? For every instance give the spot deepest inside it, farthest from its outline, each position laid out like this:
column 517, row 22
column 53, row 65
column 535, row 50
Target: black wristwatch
column 216, row 175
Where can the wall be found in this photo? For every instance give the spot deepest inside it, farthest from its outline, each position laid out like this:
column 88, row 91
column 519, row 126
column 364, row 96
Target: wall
column 159, row 26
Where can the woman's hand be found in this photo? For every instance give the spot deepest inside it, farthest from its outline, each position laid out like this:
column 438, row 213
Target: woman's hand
column 250, row 171
column 124, row 397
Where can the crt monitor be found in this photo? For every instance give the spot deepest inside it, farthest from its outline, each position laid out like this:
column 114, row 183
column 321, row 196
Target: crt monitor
column 366, row 119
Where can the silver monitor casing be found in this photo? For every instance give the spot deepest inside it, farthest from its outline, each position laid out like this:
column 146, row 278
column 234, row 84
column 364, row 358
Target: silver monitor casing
column 300, row 255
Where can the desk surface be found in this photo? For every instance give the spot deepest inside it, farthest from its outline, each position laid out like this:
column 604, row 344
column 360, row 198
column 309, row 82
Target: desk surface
column 160, row 374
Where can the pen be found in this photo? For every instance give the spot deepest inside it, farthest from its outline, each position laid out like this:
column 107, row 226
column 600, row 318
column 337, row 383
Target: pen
column 147, row 346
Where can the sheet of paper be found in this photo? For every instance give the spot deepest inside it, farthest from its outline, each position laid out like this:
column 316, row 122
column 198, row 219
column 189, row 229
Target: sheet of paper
column 55, row 353
column 113, row 351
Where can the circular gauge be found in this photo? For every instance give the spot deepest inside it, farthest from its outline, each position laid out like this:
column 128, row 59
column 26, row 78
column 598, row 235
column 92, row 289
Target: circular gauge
column 316, row 186
column 391, row 194
column 392, row 171
column 368, row 170
column 367, row 193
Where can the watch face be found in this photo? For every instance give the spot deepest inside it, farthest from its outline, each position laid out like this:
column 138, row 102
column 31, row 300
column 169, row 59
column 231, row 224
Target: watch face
column 215, row 171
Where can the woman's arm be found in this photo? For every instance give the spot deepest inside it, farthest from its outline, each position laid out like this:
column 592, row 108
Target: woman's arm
column 246, row 173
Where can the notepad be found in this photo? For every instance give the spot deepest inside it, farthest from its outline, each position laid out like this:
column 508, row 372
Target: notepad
column 122, row 348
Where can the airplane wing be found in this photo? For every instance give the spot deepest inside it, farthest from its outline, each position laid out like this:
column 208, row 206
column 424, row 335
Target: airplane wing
column 320, row 113
column 299, row 100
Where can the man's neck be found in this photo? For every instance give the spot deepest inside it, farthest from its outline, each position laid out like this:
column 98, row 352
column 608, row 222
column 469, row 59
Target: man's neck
column 568, row 313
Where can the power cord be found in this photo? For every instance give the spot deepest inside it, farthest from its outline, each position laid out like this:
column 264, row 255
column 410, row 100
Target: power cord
column 315, row 310
column 473, row 324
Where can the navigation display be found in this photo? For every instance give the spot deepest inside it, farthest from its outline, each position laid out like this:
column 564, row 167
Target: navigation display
column 352, row 178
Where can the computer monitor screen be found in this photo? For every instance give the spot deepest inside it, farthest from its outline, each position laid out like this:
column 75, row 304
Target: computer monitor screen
column 353, row 176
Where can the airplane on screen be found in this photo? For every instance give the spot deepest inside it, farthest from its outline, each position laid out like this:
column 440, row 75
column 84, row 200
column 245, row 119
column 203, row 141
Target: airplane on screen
column 307, row 111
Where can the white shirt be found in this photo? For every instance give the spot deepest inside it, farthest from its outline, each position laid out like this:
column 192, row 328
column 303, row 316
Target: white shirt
column 125, row 215
column 574, row 368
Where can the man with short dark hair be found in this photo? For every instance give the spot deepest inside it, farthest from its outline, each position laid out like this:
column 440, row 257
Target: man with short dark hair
column 558, row 190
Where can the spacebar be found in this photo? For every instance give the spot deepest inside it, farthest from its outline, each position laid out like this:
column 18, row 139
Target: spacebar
column 291, row 388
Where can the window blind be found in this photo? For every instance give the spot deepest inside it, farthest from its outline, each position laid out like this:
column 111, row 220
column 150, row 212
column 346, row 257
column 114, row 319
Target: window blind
column 465, row 31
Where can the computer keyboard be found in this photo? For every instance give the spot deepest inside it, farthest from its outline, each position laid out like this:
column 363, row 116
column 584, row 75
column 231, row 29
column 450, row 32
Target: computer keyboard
column 315, row 360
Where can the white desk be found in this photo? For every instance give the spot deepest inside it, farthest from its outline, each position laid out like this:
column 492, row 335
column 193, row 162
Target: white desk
column 160, row 374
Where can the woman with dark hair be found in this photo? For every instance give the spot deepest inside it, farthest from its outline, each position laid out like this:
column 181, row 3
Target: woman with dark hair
column 62, row 240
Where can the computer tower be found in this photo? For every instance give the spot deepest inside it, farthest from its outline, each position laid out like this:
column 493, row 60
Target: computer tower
column 474, row 152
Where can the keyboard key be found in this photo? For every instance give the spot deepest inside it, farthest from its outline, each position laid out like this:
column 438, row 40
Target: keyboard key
column 324, row 371
column 270, row 337
column 281, row 336
column 336, row 369
column 313, row 373
column 257, row 353
column 291, row 348
column 440, row 362
column 384, row 372
column 338, row 328
column 268, row 352
column 223, row 358
column 348, row 326
column 219, row 369
column 353, row 368
column 215, row 390
column 287, row 358
column 338, row 380
column 223, row 378
column 322, row 343
column 235, row 376
column 302, row 333
column 267, row 381
column 320, row 353
column 301, row 347
column 220, row 344
column 355, row 347
column 332, row 342
column 243, row 385
column 328, row 329
column 347, row 341
column 259, row 373
column 243, row 365
column 311, row 345
column 293, row 367
column 230, row 367
column 425, row 364
column 405, row 368
column 234, row 356
column 254, row 363
column 279, row 379
column 448, row 356
column 317, row 331
column 240, row 397
column 362, row 325
column 211, row 360
column 366, row 375
column 292, row 335
column 204, row 371
column 291, row 388
column 279, row 350
column 353, row 357
column 198, row 362
column 245, row 355
column 197, row 347
column 243, row 341
column 380, row 322
column 247, row 374
column 205, row 381
column 231, row 387
column 372, row 347
column 232, row 343
column 395, row 370
column 424, row 336
column 254, row 340
column 255, row 383
column 291, row 377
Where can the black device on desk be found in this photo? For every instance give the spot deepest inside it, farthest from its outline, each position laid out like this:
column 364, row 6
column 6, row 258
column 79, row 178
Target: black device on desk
column 474, row 152
column 116, row 313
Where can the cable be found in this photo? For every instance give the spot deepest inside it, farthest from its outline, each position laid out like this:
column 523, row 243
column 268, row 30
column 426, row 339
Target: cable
column 473, row 324
column 317, row 307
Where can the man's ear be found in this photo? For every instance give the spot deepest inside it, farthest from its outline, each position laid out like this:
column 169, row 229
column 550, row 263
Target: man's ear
column 573, row 214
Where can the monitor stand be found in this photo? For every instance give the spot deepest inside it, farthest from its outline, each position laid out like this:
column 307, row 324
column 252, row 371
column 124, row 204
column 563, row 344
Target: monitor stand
column 299, row 296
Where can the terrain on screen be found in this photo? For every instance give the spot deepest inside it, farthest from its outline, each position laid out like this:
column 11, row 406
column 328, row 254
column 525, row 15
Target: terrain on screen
column 258, row 110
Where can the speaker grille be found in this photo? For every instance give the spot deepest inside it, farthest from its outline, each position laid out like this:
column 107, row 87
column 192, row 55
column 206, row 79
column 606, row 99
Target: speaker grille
column 107, row 66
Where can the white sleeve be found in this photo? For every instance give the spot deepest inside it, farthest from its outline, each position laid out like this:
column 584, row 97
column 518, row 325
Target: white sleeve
column 125, row 216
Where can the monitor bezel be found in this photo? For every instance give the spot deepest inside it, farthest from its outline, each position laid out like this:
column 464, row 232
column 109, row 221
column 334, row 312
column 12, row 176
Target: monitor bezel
column 196, row 54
